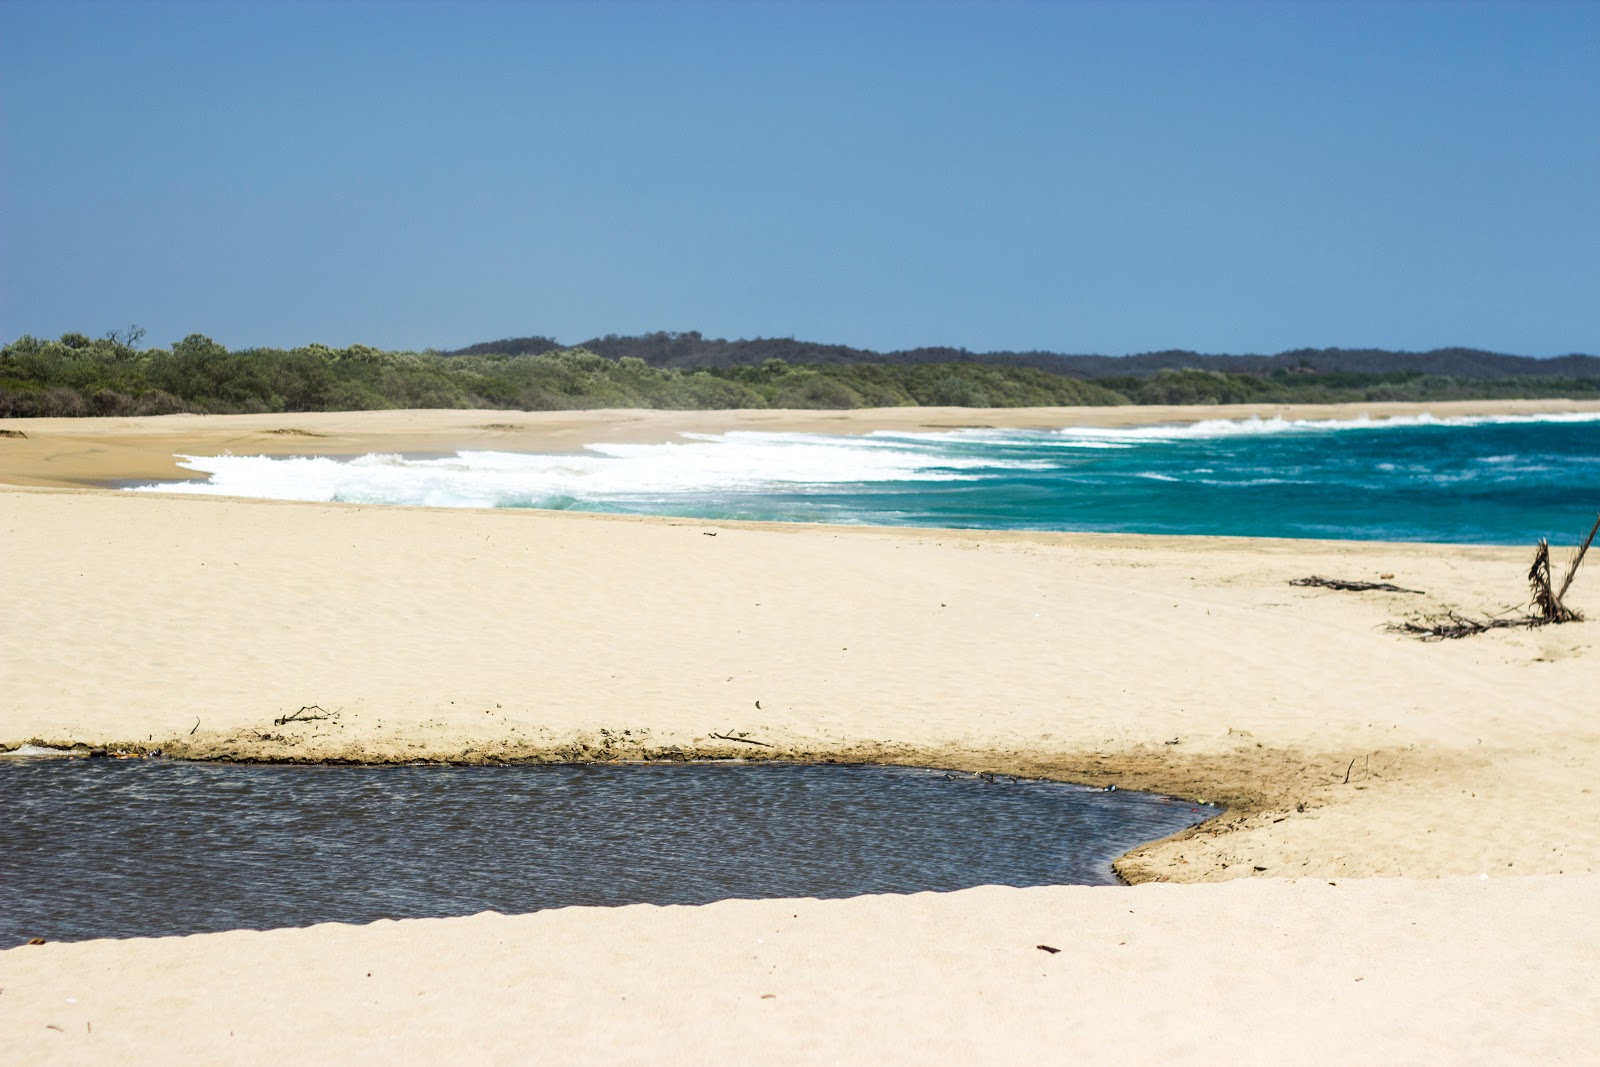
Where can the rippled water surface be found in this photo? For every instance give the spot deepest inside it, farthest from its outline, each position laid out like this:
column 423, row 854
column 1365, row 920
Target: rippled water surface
column 104, row 848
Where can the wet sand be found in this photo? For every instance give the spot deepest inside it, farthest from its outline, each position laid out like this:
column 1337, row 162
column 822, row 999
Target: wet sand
column 1447, row 790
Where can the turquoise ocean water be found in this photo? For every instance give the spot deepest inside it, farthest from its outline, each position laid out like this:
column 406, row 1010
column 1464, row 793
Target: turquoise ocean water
column 1502, row 480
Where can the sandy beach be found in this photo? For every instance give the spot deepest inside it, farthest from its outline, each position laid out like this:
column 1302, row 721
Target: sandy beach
column 1404, row 871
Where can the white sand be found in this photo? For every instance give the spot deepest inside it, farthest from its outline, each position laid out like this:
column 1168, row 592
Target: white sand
column 1265, row 971
column 1179, row 664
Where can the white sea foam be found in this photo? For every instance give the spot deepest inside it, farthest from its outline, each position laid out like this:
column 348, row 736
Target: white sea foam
column 1257, row 426
column 645, row 476
column 704, row 463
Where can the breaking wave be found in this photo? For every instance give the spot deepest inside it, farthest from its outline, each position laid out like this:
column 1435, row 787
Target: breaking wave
column 702, row 463
column 1483, row 479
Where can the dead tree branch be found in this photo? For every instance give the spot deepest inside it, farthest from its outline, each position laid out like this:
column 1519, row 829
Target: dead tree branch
column 1450, row 626
column 1572, row 568
column 1545, row 601
column 1349, row 586
column 742, row 740
column 301, row 716
column 1546, row 607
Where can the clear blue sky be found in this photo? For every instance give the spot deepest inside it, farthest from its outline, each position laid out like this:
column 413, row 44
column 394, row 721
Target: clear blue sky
column 1081, row 177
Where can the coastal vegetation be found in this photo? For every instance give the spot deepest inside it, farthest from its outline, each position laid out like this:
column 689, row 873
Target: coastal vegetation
column 113, row 375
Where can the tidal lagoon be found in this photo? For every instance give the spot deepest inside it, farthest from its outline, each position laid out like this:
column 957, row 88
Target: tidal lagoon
column 145, row 848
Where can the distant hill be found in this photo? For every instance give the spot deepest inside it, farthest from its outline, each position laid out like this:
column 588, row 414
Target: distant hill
column 78, row 375
column 690, row 350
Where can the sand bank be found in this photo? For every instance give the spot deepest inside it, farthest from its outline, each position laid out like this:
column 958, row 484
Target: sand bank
column 1403, row 772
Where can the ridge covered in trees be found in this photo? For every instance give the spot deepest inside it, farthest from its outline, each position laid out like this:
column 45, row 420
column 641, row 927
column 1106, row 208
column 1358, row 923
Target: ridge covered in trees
column 114, row 375
column 691, row 350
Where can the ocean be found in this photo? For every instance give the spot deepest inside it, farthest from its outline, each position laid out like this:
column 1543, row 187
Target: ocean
column 1473, row 480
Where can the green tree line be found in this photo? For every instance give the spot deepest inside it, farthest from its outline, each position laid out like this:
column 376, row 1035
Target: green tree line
column 112, row 375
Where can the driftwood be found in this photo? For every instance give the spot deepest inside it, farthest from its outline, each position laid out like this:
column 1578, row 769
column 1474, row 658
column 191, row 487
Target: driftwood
column 1449, row 626
column 301, row 716
column 1354, row 587
column 1546, row 604
column 1546, row 598
column 742, row 740
column 1572, row 568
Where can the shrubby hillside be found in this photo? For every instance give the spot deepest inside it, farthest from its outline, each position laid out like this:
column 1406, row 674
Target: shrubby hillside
column 691, row 350
column 113, row 375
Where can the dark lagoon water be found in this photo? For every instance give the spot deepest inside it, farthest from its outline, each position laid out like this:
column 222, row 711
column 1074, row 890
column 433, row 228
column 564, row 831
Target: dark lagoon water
column 1496, row 480
column 110, row 848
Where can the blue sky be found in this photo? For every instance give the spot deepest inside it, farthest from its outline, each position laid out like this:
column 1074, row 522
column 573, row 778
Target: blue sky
column 1116, row 178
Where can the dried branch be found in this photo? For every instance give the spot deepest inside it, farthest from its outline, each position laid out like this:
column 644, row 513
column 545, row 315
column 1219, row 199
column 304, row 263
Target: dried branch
column 301, row 716
column 741, row 740
column 1450, row 626
column 1355, row 587
column 1546, row 604
column 1572, row 568
column 1545, row 600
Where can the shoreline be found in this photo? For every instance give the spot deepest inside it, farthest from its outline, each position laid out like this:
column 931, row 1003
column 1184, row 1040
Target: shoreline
column 93, row 452
column 1382, row 795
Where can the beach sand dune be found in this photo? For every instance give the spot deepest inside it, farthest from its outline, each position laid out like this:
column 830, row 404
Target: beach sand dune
column 1447, row 789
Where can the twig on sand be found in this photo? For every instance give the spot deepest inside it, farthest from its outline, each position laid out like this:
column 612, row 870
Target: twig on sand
column 1354, row 587
column 742, row 740
column 195, row 727
column 301, row 716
